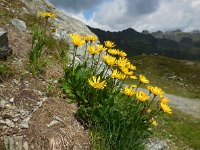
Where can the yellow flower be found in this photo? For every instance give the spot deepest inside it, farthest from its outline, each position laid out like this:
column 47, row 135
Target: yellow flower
column 113, row 51
column 143, row 79
column 122, row 54
column 100, row 48
column 130, row 66
column 77, row 40
column 117, row 52
column 90, row 38
column 117, row 75
column 164, row 100
column 129, row 91
column 142, row 96
column 165, row 108
column 126, row 71
column 153, row 122
column 156, row 91
column 109, row 44
column 122, row 61
column 47, row 15
column 109, row 60
column 133, row 77
column 92, row 50
column 95, row 83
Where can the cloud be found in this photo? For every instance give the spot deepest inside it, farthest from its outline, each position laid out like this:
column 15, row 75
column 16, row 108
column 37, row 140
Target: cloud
column 75, row 6
column 141, row 15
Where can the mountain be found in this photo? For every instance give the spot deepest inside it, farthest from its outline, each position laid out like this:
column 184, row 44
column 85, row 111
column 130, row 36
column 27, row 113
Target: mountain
column 136, row 43
column 176, row 35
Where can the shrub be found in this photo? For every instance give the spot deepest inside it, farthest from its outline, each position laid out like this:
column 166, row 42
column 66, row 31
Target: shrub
column 119, row 116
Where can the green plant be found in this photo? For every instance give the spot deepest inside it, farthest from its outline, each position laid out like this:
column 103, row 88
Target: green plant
column 36, row 62
column 5, row 71
column 118, row 116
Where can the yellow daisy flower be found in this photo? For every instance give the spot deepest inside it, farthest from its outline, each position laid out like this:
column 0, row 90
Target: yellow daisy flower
column 117, row 75
column 165, row 108
column 142, row 96
column 77, row 40
column 109, row 44
column 109, row 60
column 47, row 15
column 143, row 79
column 129, row 91
column 96, row 83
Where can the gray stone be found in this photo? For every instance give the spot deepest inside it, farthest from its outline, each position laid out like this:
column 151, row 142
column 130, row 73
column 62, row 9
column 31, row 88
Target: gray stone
column 2, row 122
column 52, row 123
column 24, row 123
column 3, row 38
column 19, row 24
column 25, row 146
column 14, row 143
column 9, row 123
column 4, row 48
column 2, row 104
column 11, row 100
column 156, row 144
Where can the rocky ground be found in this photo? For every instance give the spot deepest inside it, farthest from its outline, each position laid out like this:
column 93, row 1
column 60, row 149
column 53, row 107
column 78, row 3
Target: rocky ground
column 31, row 116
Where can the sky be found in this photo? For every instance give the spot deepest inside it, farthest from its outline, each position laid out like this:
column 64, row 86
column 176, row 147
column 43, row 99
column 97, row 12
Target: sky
column 151, row 15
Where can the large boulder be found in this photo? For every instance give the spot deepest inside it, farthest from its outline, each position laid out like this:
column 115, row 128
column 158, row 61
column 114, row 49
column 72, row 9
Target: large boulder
column 4, row 48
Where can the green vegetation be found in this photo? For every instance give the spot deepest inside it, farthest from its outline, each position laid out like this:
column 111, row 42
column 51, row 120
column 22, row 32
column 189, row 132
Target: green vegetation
column 117, row 119
column 5, row 71
column 174, row 76
column 44, row 47
column 37, row 63
column 183, row 130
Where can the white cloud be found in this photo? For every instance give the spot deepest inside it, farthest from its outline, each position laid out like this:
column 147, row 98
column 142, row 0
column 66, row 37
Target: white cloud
column 141, row 15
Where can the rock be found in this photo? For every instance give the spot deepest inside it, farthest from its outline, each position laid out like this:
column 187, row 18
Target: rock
column 2, row 122
column 15, row 143
column 3, row 38
column 24, row 124
column 52, row 123
column 25, row 146
column 4, row 48
column 171, row 77
column 156, row 144
column 16, row 81
column 2, row 104
column 19, row 24
column 9, row 123
column 11, row 100
column 9, row 113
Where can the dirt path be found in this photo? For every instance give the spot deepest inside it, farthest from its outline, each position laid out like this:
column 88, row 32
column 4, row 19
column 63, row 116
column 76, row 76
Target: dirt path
column 186, row 105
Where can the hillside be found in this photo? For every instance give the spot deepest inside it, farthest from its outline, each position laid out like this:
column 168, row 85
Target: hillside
column 135, row 43
column 174, row 76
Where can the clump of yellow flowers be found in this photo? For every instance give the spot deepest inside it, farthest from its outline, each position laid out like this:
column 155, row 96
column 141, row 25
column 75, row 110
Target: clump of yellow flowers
column 121, row 69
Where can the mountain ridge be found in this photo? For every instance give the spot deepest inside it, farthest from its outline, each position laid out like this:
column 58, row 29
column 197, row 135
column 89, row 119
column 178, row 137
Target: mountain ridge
column 135, row 43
